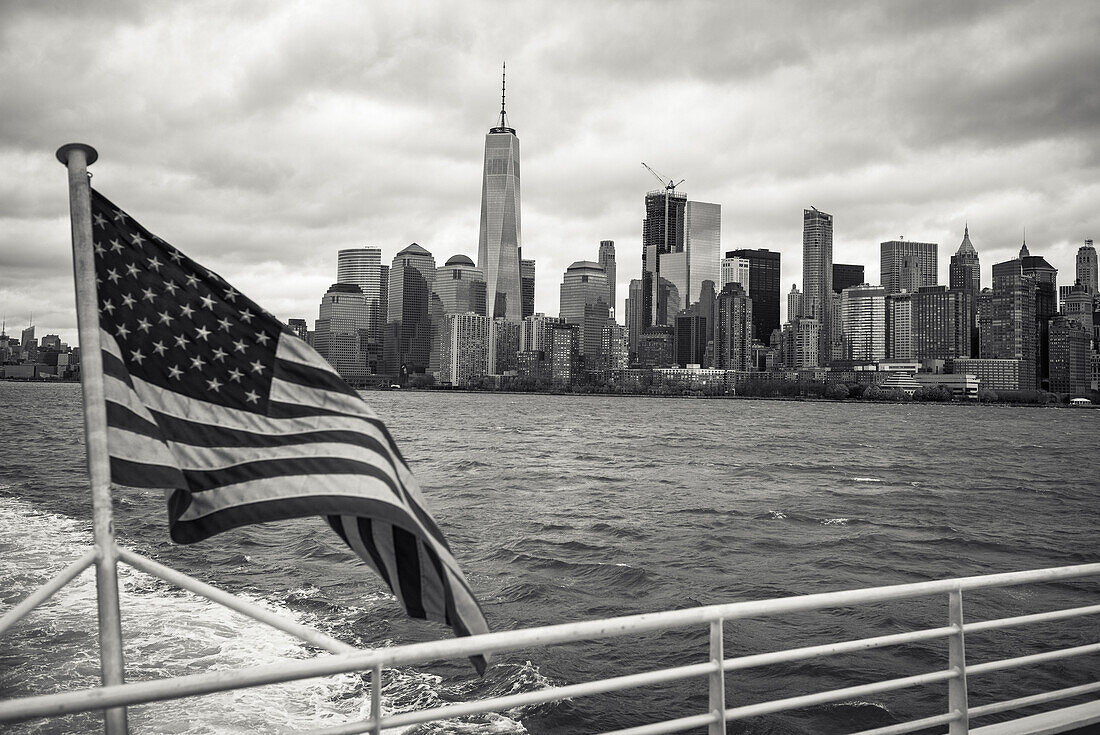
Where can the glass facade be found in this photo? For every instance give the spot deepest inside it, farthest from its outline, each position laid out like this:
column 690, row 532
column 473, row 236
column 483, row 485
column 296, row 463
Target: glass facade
column 704, row 247
column 499, row 242
column 584, row 303
column 863, row 323
column 817, row 274
column 407, row 339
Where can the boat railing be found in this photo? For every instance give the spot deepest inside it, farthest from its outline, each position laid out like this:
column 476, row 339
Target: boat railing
column 345, row 658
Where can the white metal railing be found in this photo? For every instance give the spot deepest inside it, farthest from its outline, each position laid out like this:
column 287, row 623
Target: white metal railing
column 347, row 659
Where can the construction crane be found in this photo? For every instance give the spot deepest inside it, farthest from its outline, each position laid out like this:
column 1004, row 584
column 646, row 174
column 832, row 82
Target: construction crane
column 665, row 182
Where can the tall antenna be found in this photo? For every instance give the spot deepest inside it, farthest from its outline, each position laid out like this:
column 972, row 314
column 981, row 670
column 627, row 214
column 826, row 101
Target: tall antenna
column 503, row 79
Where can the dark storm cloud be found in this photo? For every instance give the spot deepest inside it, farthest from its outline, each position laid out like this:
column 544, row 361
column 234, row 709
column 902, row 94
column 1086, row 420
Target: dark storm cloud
column 263, row 137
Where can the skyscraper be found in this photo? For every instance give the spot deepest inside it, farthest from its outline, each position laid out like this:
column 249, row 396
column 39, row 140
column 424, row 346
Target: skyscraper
column 846, row 276
column 363, row 267
column 1086, row 267
column 464, row 348
column 635, row 320
column 794, row 303
column 407, row 341
column 898, row 255
column 763, row 289
column 733, row 332
column 662, row 232
column 736, row 269
column 703, row 244
column 1045, row 278
column 941, row 319
column 498, row 252
column 817, row 274
column 607, row 260
column 863, row 323
column 1006, row 321
column 527, row 286
column 458, row 288
column 584, row 303
column 965, row 274
column 340, row 332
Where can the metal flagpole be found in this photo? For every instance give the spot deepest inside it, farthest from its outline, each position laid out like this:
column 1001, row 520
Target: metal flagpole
column 77, row 157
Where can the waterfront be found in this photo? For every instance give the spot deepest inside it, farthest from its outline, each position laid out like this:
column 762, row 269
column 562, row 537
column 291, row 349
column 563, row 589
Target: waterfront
column 565, row 508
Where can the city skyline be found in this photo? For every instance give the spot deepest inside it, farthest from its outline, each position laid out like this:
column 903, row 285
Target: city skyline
column 280, row 142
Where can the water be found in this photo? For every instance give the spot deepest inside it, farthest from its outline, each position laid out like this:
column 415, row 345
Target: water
column 566, row 508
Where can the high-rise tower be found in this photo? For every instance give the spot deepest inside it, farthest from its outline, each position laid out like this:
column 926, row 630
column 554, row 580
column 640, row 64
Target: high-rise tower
column 498, row 250
column 964, row 275
column 1086, row 267
column 817, row 274
column 607, row 260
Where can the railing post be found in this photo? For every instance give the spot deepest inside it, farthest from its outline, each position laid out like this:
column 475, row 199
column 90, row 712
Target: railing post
column 717, row 680
column 376, row 699
column 956, row 660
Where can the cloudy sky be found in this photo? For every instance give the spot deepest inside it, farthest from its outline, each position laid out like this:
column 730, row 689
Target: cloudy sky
column 262, row 137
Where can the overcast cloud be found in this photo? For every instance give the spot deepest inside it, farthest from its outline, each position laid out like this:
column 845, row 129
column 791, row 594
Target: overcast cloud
column 261, row 137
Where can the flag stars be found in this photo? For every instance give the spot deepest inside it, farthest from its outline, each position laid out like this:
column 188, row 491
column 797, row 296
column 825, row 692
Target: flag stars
column 128, row 301
column 219, row 354
column 214, row 384
column 225, row 323
column 108, row 307
column 239, row 346
column 181, row 341
column 231, row 294
column 246, row 316
column 137, row 356
column 143, row 325
column 122, row 331
column 171, row 287
column 235, row 375
column 99, row 249
column 197, row 362
column 100, row 220
column 137, row 239
column 262, row 338
column 120, row 216
column 132, row 270
column 164, row 317
column 258, row 367
column 112, row 275
column 154, row 263
column 159, row 348
column 148, row 294
column 192, row 280
column 174, row 372
column 174, row 255
column 116, row 246
column 202, row 333
column 186, row 311
column 252, row 396
column 207, row 302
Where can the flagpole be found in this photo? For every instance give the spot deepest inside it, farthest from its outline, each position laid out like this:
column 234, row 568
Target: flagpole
column 77, row 157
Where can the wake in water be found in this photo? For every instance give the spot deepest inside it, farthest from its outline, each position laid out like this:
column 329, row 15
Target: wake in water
column 170, row 632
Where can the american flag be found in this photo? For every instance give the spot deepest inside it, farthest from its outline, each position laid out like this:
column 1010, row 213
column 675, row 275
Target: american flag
column 212, row 398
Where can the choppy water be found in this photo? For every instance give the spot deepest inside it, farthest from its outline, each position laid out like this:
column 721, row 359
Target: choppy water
column 570, row 508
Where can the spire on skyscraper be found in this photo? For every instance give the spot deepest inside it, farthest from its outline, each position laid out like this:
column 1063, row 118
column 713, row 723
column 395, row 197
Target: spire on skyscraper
column 966, row 246
column 502, row 127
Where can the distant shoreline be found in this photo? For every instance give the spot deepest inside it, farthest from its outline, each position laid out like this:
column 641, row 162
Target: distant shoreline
column 795, row 399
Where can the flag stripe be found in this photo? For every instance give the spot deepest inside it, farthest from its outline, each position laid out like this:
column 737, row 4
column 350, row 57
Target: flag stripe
column 122, row 417
column 222, row 459
column 351, row 529
column 406, row 551
column 145, row 475
column 311, row 377
column 431, row 588
column 201, row 480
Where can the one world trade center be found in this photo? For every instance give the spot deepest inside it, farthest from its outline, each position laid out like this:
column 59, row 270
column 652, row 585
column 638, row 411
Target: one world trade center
column 498, row 251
